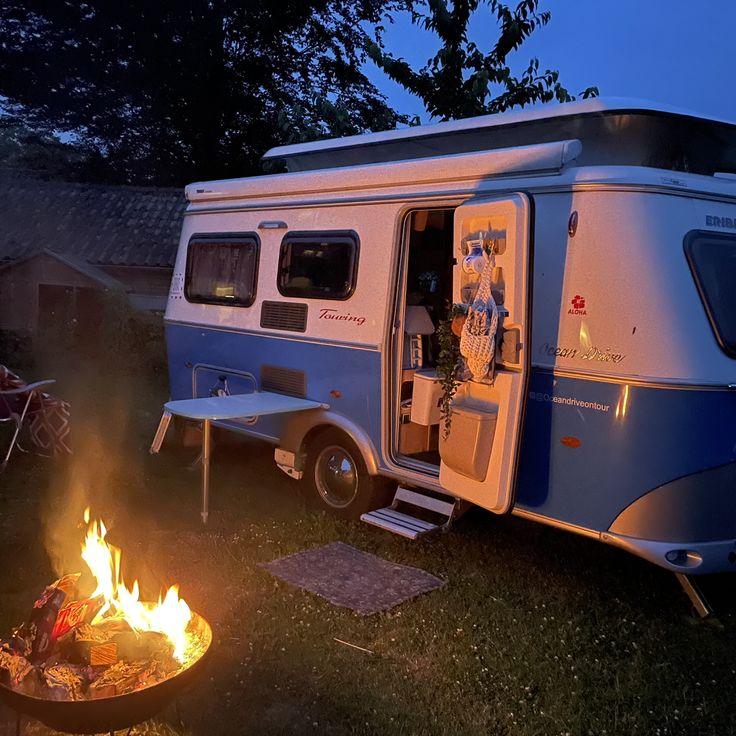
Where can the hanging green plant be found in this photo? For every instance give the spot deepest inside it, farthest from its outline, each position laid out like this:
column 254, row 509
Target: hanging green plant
column 448, row 363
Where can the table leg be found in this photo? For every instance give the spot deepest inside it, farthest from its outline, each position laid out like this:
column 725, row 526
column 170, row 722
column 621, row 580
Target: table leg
column 206, row 447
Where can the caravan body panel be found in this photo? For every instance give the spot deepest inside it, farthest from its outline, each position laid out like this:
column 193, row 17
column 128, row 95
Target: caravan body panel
column 629, row 390
column 629, row 408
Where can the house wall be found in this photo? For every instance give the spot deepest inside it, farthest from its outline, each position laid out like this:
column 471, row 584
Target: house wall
column 19, row 287
column 19, row 308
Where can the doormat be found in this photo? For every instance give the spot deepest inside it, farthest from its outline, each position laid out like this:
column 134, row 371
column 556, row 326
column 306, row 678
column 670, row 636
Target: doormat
column 351, row 578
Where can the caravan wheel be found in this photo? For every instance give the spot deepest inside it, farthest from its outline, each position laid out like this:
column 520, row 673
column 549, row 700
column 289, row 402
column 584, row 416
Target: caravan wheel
column 338, row 477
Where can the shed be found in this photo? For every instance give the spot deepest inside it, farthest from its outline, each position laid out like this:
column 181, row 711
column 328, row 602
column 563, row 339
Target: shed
column 61, row 242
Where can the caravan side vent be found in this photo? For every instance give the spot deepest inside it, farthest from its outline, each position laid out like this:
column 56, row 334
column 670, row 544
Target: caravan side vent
column 283, row 380
column 284, row 316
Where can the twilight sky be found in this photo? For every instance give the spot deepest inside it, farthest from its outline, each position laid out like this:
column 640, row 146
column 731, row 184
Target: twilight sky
column 678, row 52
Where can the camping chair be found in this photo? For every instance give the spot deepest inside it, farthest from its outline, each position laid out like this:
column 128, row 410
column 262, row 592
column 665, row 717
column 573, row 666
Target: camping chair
column 16, row 398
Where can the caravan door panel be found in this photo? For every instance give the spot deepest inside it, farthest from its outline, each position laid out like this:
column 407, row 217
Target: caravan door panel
column 479, row 455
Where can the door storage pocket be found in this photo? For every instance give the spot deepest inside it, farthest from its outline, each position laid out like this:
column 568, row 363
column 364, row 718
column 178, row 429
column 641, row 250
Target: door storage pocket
column 467, row 449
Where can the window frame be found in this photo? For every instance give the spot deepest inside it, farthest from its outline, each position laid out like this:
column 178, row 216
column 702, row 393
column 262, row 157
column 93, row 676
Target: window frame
column 319, row 236
column 690, row 242
column 215, row 238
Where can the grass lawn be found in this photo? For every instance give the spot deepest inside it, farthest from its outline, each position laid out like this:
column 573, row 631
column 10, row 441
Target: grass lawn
column 535, row 632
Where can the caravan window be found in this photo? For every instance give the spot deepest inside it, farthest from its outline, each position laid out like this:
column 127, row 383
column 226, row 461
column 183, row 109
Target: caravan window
column 222, row 269
column 318, row 265
column 712, row 259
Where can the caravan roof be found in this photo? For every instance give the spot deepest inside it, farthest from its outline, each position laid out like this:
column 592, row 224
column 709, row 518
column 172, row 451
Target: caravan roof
column 614, row 131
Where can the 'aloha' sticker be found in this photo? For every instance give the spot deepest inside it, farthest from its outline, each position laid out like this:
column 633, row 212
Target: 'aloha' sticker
column 578, row 305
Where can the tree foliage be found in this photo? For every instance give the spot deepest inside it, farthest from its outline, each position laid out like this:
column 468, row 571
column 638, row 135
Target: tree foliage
column 462, row 80
column 23, row 148
column 169, row 91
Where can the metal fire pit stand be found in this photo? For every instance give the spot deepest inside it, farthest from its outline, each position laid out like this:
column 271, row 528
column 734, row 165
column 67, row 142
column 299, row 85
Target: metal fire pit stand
column 217, row 408
column 111, row 733
column 18, row 721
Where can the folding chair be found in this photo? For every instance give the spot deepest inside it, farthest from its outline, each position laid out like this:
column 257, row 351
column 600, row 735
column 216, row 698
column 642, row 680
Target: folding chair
column 15, row 401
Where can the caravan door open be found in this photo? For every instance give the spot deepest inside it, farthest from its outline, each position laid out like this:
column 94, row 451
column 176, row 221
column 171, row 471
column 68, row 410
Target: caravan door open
column 479, row 455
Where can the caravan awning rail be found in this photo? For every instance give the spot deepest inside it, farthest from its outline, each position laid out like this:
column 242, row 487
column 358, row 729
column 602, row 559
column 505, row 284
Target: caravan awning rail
column 539, row 158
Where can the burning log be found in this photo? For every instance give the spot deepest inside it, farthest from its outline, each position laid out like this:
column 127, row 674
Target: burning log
column 104, row 645
column 103, row 654
column 146, row 645
column 62, row 683
column 86, row 644
column 18, row 673
column 121, row 678
column 88, row 661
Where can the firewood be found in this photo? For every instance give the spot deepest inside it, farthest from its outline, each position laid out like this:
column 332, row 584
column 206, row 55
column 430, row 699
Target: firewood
column 86, row 643
column 135, row 645
column 103, row 654
column 120, row 678
column 62, row 682
column 14, row 668
column 112, row 626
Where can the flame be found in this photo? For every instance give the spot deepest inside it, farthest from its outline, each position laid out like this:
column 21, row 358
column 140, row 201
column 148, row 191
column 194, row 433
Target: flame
column 169, row 616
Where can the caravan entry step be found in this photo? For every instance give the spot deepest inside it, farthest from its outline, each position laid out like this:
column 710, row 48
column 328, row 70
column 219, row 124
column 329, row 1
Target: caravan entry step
column 410, row 521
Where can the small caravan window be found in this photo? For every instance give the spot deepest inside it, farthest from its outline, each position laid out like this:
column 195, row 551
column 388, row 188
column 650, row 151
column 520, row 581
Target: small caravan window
column 712, row 259
column 222, row 269
column 318, row 265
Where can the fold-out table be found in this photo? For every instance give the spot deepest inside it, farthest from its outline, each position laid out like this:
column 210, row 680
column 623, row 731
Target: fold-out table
column 214, row 408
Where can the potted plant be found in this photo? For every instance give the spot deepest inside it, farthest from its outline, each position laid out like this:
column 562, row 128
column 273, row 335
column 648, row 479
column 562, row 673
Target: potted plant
column 448, row 360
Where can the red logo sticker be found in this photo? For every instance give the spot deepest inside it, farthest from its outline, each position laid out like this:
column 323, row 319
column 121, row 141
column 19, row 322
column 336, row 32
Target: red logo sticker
column 578, row 305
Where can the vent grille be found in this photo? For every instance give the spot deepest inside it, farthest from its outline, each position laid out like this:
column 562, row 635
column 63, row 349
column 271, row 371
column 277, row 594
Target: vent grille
column 284, row 316
column 284, row 380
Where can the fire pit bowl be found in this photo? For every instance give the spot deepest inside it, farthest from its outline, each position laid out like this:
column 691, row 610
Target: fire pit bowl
column 104, row 715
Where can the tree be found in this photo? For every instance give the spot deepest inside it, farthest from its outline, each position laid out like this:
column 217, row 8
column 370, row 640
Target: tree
column 43, row 153
column 170, row 91
column 461, row 80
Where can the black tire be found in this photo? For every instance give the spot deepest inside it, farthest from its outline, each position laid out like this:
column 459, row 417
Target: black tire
column 338, row 480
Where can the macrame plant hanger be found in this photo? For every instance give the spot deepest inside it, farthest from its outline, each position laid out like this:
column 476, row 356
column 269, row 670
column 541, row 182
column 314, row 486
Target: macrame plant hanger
column 478, row 337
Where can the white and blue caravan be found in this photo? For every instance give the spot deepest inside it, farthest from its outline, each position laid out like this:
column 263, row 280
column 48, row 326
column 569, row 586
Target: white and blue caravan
column 604, row 235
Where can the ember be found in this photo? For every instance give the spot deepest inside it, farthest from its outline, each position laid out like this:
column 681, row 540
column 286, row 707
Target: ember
column 105, row 645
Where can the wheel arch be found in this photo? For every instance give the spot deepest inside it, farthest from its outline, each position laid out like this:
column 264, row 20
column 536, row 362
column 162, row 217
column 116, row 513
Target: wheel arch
column 304, row 427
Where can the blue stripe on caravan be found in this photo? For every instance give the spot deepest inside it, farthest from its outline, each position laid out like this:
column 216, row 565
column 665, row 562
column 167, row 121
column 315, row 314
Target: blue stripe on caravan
column 632, row 440
column 356, row 374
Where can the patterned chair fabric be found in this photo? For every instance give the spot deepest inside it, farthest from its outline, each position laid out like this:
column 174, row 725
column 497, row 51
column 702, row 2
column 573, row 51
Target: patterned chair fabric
column 47, row 417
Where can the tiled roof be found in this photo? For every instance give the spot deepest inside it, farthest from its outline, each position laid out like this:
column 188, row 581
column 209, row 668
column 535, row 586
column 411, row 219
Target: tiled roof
column 102, row 224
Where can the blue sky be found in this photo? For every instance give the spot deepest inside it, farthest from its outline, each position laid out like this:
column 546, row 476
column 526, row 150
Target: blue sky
column 677, row 52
